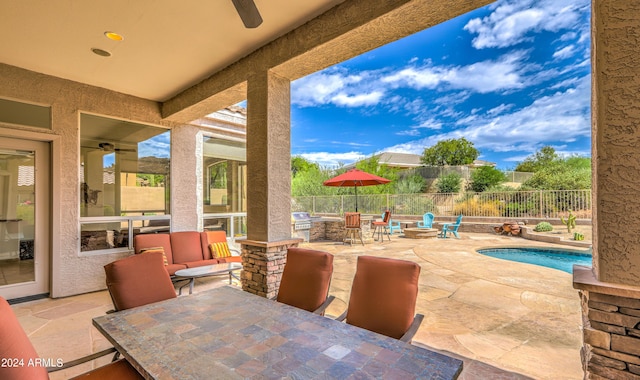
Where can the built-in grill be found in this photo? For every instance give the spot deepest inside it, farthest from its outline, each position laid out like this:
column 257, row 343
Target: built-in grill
column 301, row 224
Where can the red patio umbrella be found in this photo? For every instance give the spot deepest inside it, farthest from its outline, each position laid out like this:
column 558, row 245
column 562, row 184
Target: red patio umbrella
column 355, row 178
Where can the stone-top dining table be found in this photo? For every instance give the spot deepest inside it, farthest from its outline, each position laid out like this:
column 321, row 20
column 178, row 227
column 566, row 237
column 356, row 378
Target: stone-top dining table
column 226, row 333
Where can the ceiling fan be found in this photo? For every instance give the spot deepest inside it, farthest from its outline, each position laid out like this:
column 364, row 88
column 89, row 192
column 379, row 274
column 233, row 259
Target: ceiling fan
column 248, row 13
column 109, row 147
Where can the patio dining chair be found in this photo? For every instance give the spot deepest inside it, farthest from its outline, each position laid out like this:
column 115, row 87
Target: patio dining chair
column 352, row 227
column 305, row 280
column 383, row 297
column 427, row 221
column 16, row 347
column 451, row 227
column 138, row 280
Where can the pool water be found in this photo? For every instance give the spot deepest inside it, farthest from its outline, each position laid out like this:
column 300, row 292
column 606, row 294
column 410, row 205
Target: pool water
column 551, row 258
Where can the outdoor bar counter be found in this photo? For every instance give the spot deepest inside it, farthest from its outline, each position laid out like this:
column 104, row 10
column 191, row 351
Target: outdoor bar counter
column 332, row 228
column 228, row 333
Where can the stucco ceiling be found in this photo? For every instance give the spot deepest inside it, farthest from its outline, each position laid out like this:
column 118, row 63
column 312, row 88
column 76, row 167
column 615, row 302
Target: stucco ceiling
column 169, row 45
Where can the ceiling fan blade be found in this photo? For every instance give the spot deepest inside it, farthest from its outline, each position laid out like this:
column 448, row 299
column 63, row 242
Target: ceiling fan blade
column 248, row 13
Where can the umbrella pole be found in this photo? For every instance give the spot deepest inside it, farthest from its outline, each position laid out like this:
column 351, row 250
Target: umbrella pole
column 356, row 186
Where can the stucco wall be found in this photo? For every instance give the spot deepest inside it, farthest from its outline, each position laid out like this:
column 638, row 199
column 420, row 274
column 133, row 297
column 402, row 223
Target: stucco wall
column 72, row 272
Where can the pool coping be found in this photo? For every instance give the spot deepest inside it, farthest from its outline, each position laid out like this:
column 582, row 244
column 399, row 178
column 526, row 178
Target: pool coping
column 526, row 233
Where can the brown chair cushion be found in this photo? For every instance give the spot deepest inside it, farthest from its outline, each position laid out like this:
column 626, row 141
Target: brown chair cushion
column 119, row 370
column 306, row 278
column 146, row 241
column 383, row 295
column 186, row 247
column 138, row 280
column 15, row 345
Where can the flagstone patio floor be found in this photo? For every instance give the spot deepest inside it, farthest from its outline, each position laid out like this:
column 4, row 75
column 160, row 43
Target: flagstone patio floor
column 506, row 320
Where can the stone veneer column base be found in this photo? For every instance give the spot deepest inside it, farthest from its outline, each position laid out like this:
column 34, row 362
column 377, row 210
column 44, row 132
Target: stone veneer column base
column 611, row 327
column 263, row 264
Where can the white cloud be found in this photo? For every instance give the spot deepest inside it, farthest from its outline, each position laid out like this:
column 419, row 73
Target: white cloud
column 561, row 117
column 332, row 159
column 359, row 100
column 565, row 52
column 510, row 21
column 486, row 76
column 430, row 124
column 499, row 109
column 409, row 132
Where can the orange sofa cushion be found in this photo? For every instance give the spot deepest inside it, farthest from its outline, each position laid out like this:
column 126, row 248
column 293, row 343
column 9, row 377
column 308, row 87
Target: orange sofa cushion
column 186, row 247
column 146, row 241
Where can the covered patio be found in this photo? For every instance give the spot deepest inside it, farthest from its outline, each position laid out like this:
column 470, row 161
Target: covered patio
column 259, row 70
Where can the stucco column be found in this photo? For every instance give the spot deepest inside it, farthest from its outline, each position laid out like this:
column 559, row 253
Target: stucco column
column 268, row 184
column 186, row 178
column 268, row 158
column 616, row 140
column 610, row 291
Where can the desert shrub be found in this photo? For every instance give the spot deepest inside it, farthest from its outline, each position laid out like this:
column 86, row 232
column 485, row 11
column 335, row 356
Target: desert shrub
column 449, row 183
column 475, row 207
column 543, row 227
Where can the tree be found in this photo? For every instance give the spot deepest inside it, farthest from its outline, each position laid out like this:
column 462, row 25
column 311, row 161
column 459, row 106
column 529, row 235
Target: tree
column 452, row 152
column 309, row 182
column 299, row 164
column 449, row 183
column 544, row 157
column 485, row 177
column 372, row 165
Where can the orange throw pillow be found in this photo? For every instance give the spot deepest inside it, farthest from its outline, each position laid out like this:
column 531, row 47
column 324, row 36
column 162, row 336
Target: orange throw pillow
column 158, row 249
column 220, row 250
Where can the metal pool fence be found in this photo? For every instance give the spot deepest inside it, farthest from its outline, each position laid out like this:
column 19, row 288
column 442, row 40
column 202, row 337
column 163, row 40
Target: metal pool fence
column 512, row 204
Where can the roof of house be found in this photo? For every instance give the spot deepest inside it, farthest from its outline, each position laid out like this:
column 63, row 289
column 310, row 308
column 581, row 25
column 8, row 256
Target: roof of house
column 408, row 160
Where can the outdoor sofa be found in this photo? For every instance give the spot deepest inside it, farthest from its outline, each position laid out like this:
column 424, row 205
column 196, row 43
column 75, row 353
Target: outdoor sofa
column 188, row 249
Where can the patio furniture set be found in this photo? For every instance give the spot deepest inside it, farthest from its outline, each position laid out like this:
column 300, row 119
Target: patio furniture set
column 386, row 226
column 231, row 333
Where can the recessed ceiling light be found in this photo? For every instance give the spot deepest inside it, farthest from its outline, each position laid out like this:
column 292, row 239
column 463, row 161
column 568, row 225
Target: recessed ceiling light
column 100, row 52
column 114, row 36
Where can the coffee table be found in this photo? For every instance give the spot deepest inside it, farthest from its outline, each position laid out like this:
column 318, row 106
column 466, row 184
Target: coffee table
column 205, row 271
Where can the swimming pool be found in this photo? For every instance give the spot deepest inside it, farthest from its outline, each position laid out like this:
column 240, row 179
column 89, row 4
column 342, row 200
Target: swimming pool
column 561, row 259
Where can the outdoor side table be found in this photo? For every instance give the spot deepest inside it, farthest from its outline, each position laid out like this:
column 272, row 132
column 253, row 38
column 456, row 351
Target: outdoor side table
column 206, row 271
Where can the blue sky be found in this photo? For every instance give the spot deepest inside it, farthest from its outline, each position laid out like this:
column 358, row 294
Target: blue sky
column 511, row 77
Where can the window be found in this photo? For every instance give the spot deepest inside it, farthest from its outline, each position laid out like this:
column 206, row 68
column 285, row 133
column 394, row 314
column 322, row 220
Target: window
column 20, row 113
column 124, row 171
column 224, row 185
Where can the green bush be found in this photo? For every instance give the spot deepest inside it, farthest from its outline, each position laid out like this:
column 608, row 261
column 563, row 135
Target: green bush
column 543, row 227
column 449, row 183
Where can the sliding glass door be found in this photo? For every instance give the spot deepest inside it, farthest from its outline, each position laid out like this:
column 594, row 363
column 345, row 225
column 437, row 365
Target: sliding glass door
column 24, row 218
